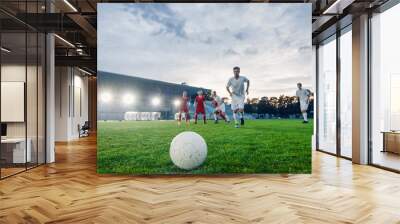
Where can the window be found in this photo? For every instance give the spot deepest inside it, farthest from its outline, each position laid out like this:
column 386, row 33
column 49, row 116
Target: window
column 346, row 93
column 385, row 89
column 22, row 87
column 327, row 96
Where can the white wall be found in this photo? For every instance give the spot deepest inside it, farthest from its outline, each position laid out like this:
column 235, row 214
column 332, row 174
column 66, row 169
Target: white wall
column 16, row 73
column 69, row 112
column 79, row 117
column 62, row 82
column 33, row 126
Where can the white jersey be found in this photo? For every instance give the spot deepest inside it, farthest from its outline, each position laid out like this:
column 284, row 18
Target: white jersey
column 303, row 95
column 237, row 85
column 218, row 104
column 218, row 100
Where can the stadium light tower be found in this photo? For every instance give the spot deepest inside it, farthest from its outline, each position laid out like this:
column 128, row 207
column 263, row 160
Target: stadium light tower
column 106, row 97
column 156, row 101
column 128, row 99
column 177, row 103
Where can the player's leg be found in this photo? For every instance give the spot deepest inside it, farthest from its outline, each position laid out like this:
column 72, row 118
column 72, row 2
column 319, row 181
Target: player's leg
column 195, row 117
column 222, row 115
column 303, row 108
column 187, row 117
column 204, row 116
column 241, row 111
column 305, row 119
column 235, row 109
column 241, row 117
column 235, row 117
column 179, row 118
column 215, row 117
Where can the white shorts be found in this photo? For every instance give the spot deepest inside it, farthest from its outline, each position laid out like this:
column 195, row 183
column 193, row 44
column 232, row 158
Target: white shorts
column 303, row 105
column 220, row 108
column 237, row 102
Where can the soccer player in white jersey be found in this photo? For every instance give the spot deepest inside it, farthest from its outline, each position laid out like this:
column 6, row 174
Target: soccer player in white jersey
column 235, row 88
column 219, row 107
column 304, row 98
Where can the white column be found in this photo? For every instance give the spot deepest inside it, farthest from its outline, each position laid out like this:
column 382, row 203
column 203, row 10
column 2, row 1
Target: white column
column 360, row 90
column 50, row 98
column 50, row 92
column 63, row 99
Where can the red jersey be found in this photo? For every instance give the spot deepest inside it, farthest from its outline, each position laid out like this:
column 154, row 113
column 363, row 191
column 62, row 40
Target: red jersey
column 200, row 103
column 184, row 104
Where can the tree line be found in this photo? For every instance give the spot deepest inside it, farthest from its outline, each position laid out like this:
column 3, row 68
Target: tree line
column 282, row 106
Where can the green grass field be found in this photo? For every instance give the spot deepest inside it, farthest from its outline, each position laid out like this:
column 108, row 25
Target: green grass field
column 261, row 146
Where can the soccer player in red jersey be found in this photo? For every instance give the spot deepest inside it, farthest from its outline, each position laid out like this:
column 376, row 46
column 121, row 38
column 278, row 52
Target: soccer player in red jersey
column 200, row 105
column 184, row 108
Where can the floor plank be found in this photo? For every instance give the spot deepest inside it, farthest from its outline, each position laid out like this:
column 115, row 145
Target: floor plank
column 70, row 191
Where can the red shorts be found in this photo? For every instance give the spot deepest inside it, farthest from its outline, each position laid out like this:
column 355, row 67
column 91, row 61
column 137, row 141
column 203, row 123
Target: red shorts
column 184, row 110
column 200, row 110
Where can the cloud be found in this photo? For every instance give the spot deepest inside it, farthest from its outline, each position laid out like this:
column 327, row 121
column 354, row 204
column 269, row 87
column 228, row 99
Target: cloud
column 200, row 43
column 240, row 35
column 230, row 52
column 251, row 51
column 160, row 14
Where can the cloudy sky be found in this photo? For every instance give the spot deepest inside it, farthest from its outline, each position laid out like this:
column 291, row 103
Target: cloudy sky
column 200, row 43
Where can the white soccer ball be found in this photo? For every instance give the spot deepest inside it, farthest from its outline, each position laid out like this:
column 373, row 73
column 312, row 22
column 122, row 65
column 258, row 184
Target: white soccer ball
column 188, row 150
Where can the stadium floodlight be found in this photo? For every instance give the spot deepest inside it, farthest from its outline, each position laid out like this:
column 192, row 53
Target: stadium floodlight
column 177, row 103
column 106, row 97
column 128, row 99
column 156, row 101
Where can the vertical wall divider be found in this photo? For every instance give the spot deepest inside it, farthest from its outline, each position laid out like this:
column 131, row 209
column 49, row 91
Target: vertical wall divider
column 26, row 86
column 338, row 81
column 369, row 77
column 316, row 101
column 37, row 91
column 45, row 94
column 69, row 92
column 73, row 93
column 60, row 95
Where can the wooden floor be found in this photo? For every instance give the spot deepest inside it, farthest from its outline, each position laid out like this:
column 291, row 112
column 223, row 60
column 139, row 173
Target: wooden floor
column 5, row 172
column 387, row 159
column 70, row 191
